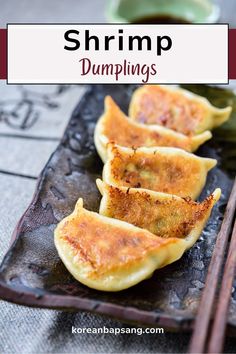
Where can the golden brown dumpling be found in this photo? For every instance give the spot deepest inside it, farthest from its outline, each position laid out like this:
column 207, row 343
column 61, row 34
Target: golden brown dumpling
column 112, row 255
column 164, row 215
column 175, row 108
column 167, row 170
column 114, row 126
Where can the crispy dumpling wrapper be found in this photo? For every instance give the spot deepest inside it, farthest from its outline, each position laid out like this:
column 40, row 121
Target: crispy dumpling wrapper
column 113, row 126
column 176, row 108
column 163, row 169
column 164, row 215
column 111, row 255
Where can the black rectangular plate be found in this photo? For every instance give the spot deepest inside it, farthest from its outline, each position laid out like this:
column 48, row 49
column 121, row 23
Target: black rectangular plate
column 32, row 274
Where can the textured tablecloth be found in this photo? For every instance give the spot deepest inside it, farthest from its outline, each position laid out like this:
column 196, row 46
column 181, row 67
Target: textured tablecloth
column 32, row 120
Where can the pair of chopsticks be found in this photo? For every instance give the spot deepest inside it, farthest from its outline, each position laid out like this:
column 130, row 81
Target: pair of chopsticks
column 204, row 338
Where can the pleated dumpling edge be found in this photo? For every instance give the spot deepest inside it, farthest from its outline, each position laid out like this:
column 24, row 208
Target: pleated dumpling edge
column 108, row 254
column 114, row 126
column 176, row 108
column 162, row 169
column 164, row 215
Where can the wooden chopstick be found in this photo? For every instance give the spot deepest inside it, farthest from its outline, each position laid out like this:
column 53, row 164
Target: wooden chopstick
column 216, row 342
column 202, row 322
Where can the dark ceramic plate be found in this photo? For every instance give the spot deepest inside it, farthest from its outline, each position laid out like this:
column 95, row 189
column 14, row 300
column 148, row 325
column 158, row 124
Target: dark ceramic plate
column 32, row 273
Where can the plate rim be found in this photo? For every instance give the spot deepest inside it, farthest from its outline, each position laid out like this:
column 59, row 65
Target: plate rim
column 118, row 312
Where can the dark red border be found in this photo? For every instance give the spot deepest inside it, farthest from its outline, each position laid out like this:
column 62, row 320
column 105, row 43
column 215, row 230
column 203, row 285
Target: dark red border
column 3, row 54
column 232, row 54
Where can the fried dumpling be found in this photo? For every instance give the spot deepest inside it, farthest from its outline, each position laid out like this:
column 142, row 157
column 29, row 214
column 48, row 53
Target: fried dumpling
column 176, row 108
column 164, row 215
column 163, row 169
column 109, row 254
column 114, row 126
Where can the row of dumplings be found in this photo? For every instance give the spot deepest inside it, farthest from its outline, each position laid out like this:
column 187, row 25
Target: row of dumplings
column 148, row 215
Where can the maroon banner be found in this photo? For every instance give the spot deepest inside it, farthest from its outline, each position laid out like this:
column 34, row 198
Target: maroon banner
column 3, row 54
column 232, row 54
